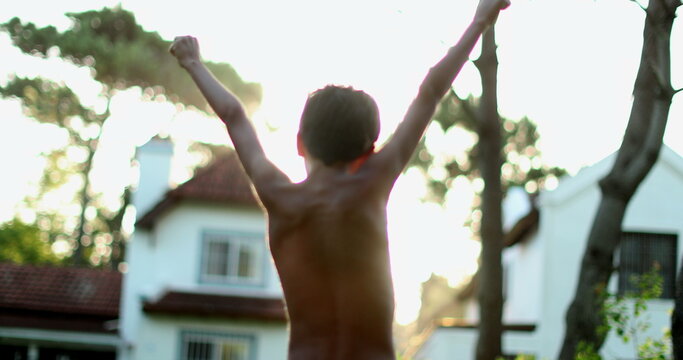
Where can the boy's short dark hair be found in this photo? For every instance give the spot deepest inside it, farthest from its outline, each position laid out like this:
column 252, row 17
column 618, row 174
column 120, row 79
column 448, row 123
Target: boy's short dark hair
column 339, row 124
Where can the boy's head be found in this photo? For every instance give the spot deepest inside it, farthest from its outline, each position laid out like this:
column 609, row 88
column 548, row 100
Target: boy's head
column 339, row 124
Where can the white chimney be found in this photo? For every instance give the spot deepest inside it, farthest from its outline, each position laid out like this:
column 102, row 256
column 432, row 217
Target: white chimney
column 154, row 162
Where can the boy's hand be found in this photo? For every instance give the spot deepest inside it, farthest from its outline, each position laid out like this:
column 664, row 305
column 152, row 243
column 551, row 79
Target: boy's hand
column 488, row 10
column 185, row 49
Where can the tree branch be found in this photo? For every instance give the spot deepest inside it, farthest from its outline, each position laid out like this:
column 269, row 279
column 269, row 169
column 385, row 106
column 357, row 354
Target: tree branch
column 670, row 7
column 639, row 5
column 107, row 111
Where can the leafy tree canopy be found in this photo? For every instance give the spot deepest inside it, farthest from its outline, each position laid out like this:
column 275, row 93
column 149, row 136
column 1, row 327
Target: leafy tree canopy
column 522, row 165
column 22, row 244
column 49, row 102
column 122, row 54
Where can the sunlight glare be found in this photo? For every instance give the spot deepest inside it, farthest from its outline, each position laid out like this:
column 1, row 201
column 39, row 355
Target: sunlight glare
column 569, row 85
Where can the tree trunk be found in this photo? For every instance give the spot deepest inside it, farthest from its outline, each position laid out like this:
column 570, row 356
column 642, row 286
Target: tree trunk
column 78, row 257
column 91, row 145
column 490, row 160
column 677, row 319
column 637, row 154
column 118, row 244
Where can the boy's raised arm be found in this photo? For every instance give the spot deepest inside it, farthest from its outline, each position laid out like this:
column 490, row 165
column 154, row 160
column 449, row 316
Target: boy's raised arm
column 242, row 133
column 398, row 150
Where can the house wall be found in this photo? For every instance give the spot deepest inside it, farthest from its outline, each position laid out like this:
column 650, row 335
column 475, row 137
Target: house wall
column 542, row 272
column 522, row 271
column 522, row 277
column 138, row 281
column 566, row 219
column 454, row 343
column 178, row 239
column 168, row 257
column 564, row 227
column 160, row 337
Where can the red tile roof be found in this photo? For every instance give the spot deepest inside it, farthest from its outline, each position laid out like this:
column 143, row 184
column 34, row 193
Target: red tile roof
column 222, row 181
column 234, row 307
column 79, row 291
column 58, row 298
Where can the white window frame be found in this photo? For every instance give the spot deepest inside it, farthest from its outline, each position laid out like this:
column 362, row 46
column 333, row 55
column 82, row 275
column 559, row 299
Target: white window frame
column 218, row 342
column 236, row 243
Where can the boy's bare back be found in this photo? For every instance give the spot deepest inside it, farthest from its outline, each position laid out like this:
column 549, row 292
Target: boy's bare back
column 329, row 242
column 328, row 234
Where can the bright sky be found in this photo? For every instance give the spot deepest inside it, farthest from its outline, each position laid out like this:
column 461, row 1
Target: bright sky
column 568, row 65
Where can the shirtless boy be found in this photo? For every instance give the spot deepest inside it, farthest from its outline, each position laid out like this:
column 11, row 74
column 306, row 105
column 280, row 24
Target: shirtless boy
column 328, row 234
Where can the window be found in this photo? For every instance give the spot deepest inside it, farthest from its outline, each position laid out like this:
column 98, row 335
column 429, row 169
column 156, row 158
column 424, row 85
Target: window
column 640, row 252
column 209, row 346
column 232, row 258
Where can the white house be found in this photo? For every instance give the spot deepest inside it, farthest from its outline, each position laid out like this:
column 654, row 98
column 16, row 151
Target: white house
column 200, row 283
column 542, row 266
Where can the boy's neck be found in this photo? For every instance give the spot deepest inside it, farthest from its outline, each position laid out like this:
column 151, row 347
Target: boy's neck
column 314, row 165
column 354, row 165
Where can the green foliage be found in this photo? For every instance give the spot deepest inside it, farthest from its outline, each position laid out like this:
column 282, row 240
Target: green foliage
column 122, row 54
column 586, row 351
column 519, row 357
column 655, row 349
column 45, row 100
column 399, row 356
column 53, row 103
column 22, row 244
column 521, row 159
column 625, row 315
